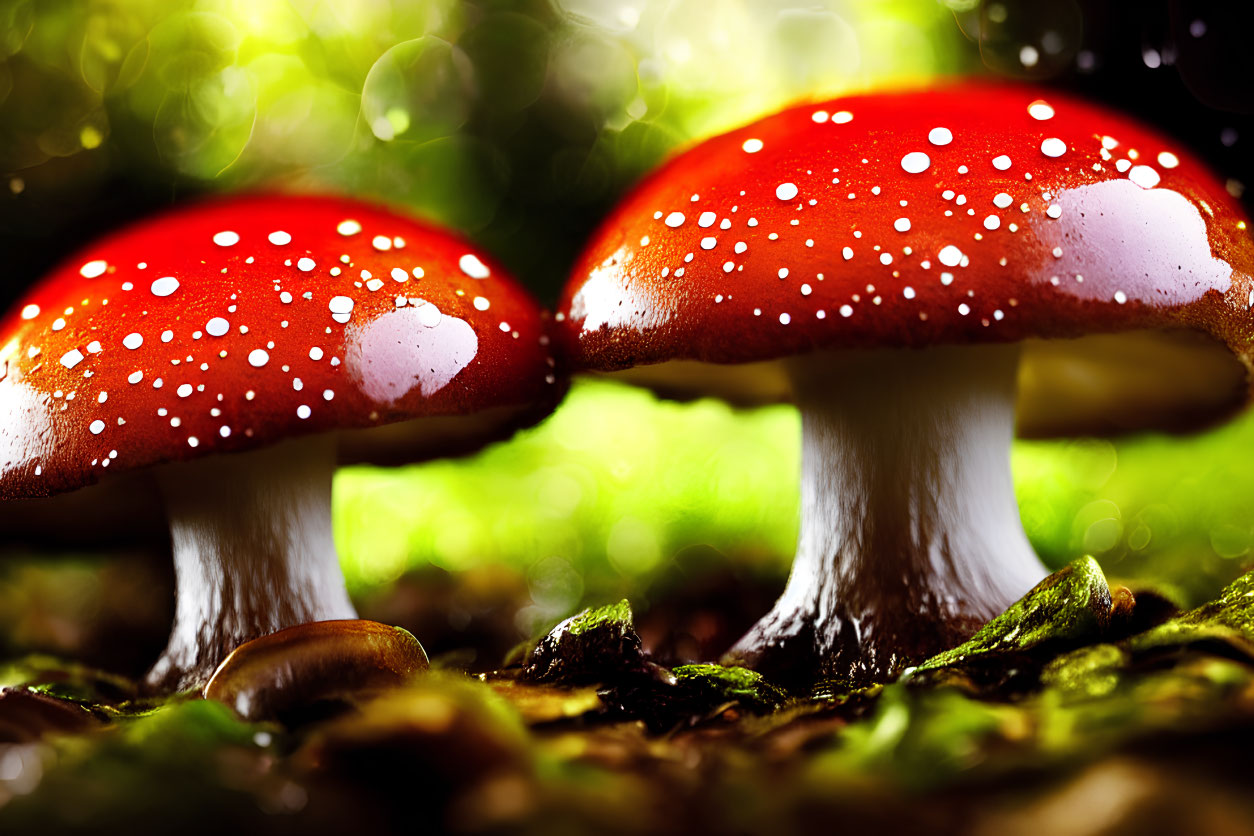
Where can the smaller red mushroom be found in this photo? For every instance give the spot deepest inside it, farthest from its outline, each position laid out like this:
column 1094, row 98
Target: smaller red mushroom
column 910, row 268
column 240, row 350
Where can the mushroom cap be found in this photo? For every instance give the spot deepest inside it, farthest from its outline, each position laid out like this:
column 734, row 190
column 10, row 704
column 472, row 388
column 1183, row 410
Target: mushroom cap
column 242, row 322
column 968, row 214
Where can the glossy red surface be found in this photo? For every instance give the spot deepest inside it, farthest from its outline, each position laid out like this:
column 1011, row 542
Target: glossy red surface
column 965, row 214
column 239, row 323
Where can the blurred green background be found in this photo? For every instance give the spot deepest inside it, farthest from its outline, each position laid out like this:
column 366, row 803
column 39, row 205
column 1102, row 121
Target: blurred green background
column 520, row 123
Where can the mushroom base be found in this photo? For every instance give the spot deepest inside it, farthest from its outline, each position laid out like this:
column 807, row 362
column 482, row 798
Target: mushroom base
column 910, row 535
column 253, row 553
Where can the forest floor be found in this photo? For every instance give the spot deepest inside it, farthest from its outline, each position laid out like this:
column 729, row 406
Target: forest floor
column 1085, row 708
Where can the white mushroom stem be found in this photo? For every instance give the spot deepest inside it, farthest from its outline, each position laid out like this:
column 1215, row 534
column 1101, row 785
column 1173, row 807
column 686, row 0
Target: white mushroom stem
column 253, row 553
column 910, row 534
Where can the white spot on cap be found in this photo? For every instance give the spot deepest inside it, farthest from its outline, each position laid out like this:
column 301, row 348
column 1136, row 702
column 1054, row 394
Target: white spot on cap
column 133, row 340
column 1041, row 110
column 752, row 146
column 784, row 319
column 164, row 286
column 1121, row 297
column 1001, row 163
column 786, row 191
column 348, row 227
column 305, row 265
column 1002, row 200
column 902, row 224
column 472, row 266
column 399, row 274
column 279, row 238
column 1168, row 160
column 315, row 353
column 96, row 427
column 908, row 292
column 340, row 305
column 842, row 117
column 184, row 390
column 258, row 357
column 135, row 377
column 93, row 269
column 675, row 219
column 1144, row 176
column 783, row 272
column 1054, row 211
column 217, row 327
column 381, row 243
column 1053, row 147
column 846, row 310
column 303, row 411
column 193, row 441
column 964, row 309
column 481, row 304
column 30, row 312
column 940, row 136
column 950, row 256
column 706, row 219
column 916, row 162
column 847, row 252
column 226, row 238
column 708, row 243
column 991, row 222
column 71, row 358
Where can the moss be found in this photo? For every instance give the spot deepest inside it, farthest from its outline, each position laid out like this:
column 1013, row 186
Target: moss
column 1229, row 619
column 731, row 684
column 611, row 616
column 1070, row 607
column 598, row 645
column 1089, row 672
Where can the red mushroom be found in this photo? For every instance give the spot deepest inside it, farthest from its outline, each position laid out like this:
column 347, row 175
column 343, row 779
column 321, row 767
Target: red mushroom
column 295, row 333
column 908, row 267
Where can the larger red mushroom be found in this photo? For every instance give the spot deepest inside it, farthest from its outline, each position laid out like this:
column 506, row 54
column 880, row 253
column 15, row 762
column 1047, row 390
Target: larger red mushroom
column 293, row 333
column 911, row 268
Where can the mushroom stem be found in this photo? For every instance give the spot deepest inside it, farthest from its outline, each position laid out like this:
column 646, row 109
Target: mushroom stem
column 253, row 553
column 910, row 534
